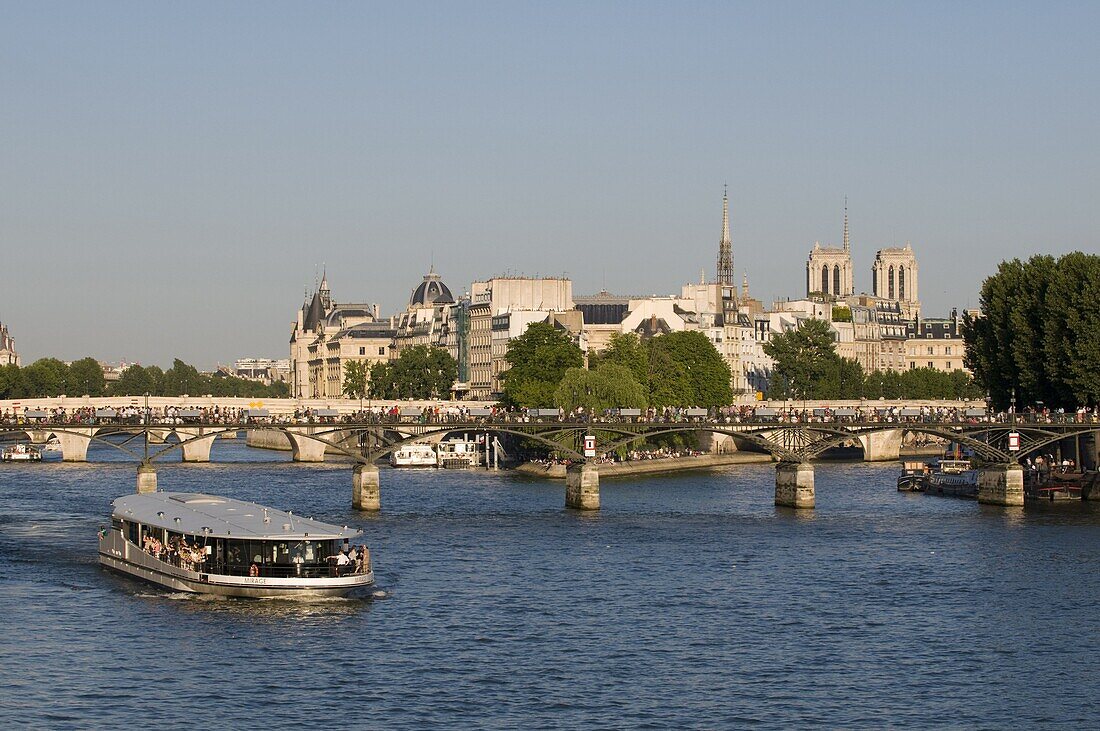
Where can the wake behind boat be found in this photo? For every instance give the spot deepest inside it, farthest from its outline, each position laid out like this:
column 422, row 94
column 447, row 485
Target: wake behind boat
column 215, row 545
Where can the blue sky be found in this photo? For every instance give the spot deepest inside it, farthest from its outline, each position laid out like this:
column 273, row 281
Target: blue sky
column 173, row 174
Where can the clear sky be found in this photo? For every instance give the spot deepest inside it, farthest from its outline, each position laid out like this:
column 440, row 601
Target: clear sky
column 173, row 174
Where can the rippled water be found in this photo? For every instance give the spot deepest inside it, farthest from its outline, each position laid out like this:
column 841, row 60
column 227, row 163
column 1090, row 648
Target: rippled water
column 688, row 601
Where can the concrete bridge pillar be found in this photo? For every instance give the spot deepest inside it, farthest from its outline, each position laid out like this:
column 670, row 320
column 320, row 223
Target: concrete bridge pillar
column 196, row 449
column 794, row 485
column 882, row 446
column 74, row 443
column 366, row 491
column 582, row 487
column 146, row 479
column 38, row 437
column 1001, row 484
column 303, row 448
column 159, row 436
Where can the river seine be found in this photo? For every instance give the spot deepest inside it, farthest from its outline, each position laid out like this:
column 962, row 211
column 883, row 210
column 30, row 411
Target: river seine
column 688, row 601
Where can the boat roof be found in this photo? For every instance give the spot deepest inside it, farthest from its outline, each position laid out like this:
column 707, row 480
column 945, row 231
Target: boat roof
column 198, row 514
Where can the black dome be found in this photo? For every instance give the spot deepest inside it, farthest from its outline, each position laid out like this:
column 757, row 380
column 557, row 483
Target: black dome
column 432, row 291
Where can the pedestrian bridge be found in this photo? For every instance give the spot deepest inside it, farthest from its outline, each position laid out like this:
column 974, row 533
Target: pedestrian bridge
column 794, row 444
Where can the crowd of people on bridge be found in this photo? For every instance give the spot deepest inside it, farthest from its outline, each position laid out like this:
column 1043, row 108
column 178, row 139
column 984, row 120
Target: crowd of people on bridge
column 458, row 413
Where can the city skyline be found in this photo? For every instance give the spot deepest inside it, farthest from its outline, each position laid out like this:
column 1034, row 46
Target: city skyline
column 175, row 175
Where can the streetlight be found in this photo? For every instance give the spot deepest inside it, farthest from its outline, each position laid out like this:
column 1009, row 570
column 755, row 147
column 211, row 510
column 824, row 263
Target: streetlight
column 146, row 420
column 1014, row 405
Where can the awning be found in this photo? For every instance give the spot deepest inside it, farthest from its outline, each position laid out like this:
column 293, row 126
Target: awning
column 255, row 413
column 105, row 413
column 481, row 412
column 630, row 412
column 326, row 412
column 765, row 412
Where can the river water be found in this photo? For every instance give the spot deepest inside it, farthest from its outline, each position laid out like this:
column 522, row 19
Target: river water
column 687, row 601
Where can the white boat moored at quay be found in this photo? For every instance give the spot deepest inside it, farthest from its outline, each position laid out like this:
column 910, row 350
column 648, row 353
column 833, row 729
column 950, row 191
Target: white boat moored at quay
column 215, row 545
column 21, row 453
column 414, row 455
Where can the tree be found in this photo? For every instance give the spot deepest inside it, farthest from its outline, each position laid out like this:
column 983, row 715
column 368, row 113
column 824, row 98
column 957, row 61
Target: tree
column 183, row 379
column 708, row 375
column 1038, row 337
column 537, row 361
column 355, row 379
column 85, row 378
column 805, row 359
column 424, row 372
column 626, row 350
column 46, row 377
column 134, row 381
column 12, row 382
column 608, row 386
column 381, row 384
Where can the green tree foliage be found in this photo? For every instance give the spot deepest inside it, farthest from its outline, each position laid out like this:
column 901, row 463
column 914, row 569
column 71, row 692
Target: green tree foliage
column 537, row 362
column 355, row 379
column 626, row 350
column 12, row 383
column 1039, row 332
column 134, row 381
column 608, row 386
column 424, row 372
column 806, row 363
column 85, row 378
column 46, row 377
column 707, row 374
column 421, row 372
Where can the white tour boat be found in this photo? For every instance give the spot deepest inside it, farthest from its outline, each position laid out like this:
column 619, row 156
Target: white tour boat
column 413, row 455
column 215, row 545
column 21, row 453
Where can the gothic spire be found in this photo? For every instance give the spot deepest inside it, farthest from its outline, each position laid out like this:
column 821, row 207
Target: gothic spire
column 725, row 246
column 847, row 243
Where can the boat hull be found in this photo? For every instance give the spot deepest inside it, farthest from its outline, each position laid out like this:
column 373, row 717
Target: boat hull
column 123, row 558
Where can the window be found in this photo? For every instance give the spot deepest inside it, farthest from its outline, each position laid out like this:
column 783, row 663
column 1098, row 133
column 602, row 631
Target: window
column 930, row 364
column 362, row 351
column 836, row 279
column 901, row 282
column 825, row 279
column 890, row 283
column 947, row 350
column 948, row 365
column 931, row 350
column 912, row 365
column 382, row 350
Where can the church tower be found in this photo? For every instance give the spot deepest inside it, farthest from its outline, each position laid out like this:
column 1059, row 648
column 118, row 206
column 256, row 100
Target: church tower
column 725, row 246
column 829, row 268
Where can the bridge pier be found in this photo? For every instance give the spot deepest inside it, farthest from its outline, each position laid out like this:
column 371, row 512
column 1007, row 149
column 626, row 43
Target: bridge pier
column 74, row 444
column 882, row 446
column 194, row 449
column 1001, row 484
column 582, row 487
column 146, row 479
column 303, row 448
column 38, row 437
column 794, row 485
column 366, row 492
column 158, row 436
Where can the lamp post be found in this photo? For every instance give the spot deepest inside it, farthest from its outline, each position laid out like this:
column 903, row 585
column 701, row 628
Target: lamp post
column 1013, row 405
column 145, row 460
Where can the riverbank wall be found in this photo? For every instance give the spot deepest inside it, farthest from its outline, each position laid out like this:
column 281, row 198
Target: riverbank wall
column 649, row 466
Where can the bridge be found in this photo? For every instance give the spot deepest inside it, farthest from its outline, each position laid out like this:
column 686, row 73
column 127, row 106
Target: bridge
column 794, row 444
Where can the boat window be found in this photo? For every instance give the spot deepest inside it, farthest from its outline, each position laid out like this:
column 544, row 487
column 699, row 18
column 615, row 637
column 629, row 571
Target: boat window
column 132, row 532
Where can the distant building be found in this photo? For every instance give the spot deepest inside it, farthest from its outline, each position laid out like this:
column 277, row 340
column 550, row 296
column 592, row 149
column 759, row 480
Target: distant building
column 326, row 335
column 936, row 343
column 894, row 278
column 501, row 309
column 829, row 268
column 265, row 370
column 8, row 355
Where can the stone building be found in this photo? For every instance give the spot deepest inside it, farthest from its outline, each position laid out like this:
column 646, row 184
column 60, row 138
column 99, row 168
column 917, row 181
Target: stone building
column 326, row 335
column 894, row 278
column 936, row 343
column 8, row 355
column 829, row 268
column 501, row 309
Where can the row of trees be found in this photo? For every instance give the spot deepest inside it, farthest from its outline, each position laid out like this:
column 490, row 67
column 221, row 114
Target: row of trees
column 420, row 372
column 1039, row 333
column 51, row 377
column 807, row 366
column 679, row 369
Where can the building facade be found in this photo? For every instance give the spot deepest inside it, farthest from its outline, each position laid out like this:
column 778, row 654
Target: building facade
column 936, row 343
column 8, row 354
column 894, row 277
